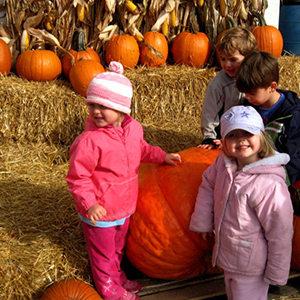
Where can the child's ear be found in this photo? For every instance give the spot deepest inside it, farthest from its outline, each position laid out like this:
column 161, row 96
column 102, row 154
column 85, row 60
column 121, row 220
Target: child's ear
column 221, row 145
column 273, row 86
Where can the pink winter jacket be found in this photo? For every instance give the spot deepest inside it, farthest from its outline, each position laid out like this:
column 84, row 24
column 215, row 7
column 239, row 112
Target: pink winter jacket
column 251, row 214
column 104, row 165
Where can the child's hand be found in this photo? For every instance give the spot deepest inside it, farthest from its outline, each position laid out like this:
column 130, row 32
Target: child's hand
column 171, row 159
column 217, row 145
column 206, row 235
column 96, row 212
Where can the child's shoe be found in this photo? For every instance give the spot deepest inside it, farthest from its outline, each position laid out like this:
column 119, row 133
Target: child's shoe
column 129, row 296
column 132, row 286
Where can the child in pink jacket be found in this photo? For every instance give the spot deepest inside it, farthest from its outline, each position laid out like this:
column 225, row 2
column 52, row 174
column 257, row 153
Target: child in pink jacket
column 244, row 201
column 103, row 178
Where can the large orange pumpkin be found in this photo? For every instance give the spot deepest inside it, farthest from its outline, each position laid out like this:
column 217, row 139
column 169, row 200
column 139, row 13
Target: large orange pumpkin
column 154, row 49
column 71, row 289
column 191, row 49
column 295, row 264
column 38, row 65
column 124, row 49
column 79, row 51
column 160, row 243
column 268, row 37
column 82, row 73
column 5, row 58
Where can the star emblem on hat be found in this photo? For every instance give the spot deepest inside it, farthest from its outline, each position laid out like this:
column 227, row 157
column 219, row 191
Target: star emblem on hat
column 244, row 114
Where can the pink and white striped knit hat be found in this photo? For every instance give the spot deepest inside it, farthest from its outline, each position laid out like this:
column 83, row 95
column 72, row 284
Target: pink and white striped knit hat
column 111, row 89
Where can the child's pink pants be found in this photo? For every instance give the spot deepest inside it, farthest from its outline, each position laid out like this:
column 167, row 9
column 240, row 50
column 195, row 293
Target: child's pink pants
column 106, row 249
column 239, row 287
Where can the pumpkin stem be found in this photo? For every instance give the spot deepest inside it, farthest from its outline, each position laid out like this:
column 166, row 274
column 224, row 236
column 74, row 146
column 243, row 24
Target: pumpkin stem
column 230, row 22
column 193, row 20
column 260, row 18
column 78, row 43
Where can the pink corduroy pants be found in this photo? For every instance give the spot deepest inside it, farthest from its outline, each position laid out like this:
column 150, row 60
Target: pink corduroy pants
column 240, row 287
column 106, row 249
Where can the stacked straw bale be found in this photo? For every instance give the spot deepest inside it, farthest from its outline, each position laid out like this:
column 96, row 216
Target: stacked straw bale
column 41, row 240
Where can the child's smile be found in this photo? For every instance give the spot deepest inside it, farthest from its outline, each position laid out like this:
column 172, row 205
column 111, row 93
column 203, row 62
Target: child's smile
column 243, row 145
column 103, row 116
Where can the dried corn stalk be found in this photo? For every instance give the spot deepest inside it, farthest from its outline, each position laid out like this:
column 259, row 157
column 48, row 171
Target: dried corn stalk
column 102, row 19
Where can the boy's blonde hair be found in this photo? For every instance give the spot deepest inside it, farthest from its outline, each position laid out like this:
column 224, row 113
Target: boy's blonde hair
column 237, row 39
column 258, row 70
column 266, row 149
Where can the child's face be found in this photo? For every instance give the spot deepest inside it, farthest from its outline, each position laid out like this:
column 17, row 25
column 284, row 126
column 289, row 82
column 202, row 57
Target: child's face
column 103, row 116
column 243, row 145
column 262, row 97
column 231, row 64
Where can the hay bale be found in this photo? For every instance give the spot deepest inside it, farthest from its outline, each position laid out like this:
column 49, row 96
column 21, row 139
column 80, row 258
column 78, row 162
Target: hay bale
column 40, row 111
column 165, row 99
column 41, row 239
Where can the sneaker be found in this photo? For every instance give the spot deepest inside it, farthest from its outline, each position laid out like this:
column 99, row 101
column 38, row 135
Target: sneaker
column 132, row 286
column 129, row 296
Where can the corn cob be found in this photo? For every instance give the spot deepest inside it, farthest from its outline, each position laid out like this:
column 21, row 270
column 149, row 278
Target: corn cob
column 80, row 12
column 130, row 6
column 25, row 40
column 174, row 22
column 165, row 27
column 243, row 14
column 48, row 23
column 200, row 3
column 223, row 8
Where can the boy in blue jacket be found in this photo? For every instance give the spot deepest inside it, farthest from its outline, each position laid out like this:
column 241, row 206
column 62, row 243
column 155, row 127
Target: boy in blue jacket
column 258, row 78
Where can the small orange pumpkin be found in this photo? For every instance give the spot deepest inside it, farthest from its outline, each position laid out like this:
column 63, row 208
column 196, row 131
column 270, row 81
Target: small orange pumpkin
column 5, row 58
column 160, row 243
column 79, row 51
column 154, row 49
column 82, row 73
column 268, row 37
column 38, row 65
column 192, row 49
column 71, row 289
column 295, row 264
column 124, row 49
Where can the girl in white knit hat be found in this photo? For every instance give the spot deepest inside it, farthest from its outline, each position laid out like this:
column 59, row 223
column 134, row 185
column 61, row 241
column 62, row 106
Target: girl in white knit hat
column 103, row 178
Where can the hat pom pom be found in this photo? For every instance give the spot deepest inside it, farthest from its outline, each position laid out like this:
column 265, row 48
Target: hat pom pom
column 116, row 67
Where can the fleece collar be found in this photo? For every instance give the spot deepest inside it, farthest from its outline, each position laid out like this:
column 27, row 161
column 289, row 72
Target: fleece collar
column 277, row 159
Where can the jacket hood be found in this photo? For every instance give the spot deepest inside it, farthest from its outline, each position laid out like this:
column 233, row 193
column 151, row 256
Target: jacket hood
column 270, row 164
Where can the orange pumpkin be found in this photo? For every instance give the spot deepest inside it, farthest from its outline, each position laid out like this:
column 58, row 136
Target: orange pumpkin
column 71, row 289
column 295, row 264
column 124, row 49
column 268, row 37
column 192, row 49
column 38, row 65
column 5, row 58
column 154, row 50
column 160, row 243
column 79, row 51
column 82, row 73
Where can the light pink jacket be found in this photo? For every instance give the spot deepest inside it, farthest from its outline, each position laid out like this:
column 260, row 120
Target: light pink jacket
column 251, row 214
column 104, row 165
